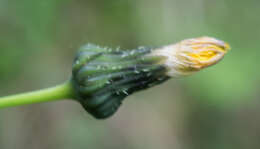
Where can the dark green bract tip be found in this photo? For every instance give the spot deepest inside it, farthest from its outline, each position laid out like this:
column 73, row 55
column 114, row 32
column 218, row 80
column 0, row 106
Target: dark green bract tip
column 103, row 77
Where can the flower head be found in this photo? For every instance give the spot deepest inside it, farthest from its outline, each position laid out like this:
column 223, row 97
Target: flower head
column 102, row 78
column 192, row 55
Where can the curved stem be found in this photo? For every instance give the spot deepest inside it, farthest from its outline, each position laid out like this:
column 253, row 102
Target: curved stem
column 60, row 92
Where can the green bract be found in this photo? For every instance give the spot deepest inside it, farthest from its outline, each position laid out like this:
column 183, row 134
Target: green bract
column 103, row 77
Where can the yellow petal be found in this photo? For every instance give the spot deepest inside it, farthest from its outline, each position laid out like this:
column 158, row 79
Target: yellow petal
column 191, row 55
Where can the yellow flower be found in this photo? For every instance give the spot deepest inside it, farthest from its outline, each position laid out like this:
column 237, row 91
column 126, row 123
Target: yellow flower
column 192, row 55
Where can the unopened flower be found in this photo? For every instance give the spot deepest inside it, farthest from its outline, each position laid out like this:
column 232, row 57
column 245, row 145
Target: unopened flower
column 103, row 77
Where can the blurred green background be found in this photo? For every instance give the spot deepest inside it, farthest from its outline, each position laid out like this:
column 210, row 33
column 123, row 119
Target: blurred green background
column 217, row 108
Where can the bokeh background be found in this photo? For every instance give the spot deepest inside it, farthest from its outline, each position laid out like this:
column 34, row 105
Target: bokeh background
column 217, row 108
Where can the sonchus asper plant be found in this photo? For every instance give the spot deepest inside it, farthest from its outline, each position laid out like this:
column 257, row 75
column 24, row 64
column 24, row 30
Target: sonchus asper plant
column 102, row 77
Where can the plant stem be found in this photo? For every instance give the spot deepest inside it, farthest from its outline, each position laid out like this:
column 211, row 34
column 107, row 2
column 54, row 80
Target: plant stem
column 59, row 92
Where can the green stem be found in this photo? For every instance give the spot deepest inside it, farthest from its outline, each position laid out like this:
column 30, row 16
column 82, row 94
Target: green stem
column 60, row 92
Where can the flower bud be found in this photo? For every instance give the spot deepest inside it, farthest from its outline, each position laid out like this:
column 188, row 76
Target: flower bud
column 103, row 77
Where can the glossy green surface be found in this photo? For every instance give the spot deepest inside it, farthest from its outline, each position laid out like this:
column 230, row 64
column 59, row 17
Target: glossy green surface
column 103, row 77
